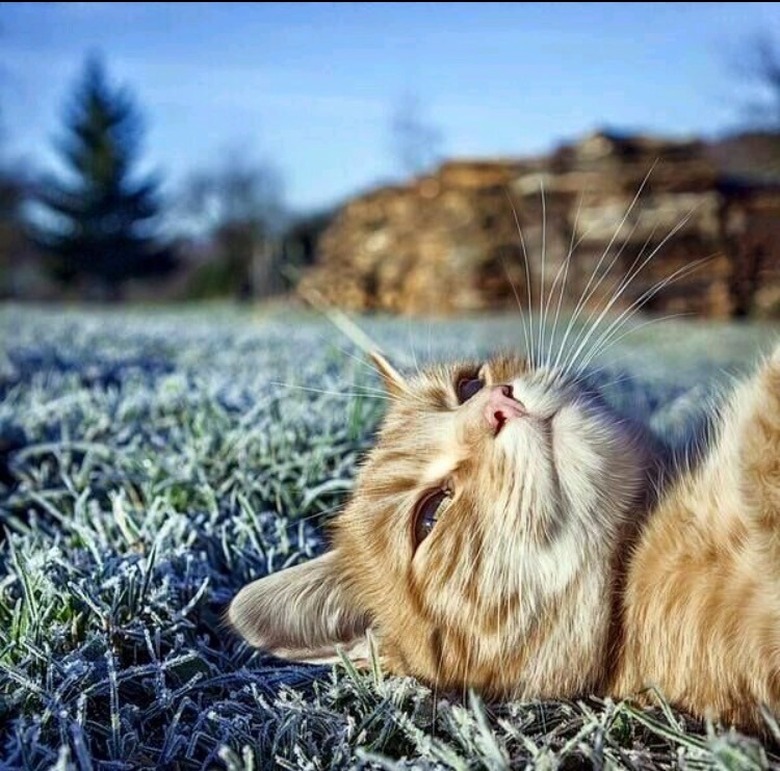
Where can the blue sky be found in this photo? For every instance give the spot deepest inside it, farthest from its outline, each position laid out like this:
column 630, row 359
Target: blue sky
column 311, row 86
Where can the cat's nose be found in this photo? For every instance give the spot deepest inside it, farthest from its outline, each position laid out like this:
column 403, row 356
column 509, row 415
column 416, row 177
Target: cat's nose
column 502, row 406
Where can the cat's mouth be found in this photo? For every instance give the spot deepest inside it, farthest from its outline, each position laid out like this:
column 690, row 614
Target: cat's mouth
column 540, row 402
column 532, row 431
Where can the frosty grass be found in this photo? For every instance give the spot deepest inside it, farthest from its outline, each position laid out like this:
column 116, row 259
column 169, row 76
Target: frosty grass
column 153, row 462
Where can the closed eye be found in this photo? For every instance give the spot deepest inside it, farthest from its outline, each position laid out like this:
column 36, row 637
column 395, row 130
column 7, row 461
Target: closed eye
column 427, row 514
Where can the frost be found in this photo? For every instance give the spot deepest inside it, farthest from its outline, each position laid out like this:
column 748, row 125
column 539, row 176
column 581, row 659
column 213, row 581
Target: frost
column 151, row 463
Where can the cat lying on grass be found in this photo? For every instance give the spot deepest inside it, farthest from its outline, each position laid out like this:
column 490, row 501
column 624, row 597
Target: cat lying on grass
column 510, row 533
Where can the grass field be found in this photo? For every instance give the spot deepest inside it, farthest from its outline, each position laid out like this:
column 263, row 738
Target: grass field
column 152, row 462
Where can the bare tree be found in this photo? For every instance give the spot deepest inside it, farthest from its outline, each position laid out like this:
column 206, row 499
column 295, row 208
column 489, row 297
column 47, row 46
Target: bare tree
column 759, row 66
column 415, row 142
column 240, row 204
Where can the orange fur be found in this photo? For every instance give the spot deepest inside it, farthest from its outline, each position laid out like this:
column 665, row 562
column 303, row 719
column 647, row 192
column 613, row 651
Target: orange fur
column 701, row 609
column 566, row 559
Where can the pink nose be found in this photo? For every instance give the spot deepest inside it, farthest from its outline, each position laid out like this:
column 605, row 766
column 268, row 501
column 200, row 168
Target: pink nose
column 501, row 406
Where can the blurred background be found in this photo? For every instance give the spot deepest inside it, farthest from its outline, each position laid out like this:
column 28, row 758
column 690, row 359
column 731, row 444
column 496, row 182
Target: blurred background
column 413, row 158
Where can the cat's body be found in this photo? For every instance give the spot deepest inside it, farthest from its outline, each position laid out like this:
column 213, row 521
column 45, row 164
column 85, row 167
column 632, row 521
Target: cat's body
column 510, row 533
column 701, row 605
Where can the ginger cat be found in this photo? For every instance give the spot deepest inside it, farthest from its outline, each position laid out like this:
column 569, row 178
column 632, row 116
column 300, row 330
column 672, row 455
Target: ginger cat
column 511, row 533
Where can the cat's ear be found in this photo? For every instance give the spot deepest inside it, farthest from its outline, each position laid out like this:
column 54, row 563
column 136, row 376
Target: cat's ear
column 301, row 613
column 392, row 378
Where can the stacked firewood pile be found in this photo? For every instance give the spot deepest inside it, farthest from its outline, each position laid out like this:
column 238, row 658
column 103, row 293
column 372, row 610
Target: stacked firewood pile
column 630, row 208
column 693, row 241
column 444, row 242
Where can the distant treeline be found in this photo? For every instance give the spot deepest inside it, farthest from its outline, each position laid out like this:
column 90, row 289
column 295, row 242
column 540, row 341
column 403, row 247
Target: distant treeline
column 101, row 229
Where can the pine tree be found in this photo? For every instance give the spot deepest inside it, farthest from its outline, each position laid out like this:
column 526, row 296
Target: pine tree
column 98, row 222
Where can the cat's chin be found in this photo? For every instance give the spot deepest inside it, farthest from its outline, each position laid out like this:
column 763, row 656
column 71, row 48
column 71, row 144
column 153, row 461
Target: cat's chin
column 529, row 437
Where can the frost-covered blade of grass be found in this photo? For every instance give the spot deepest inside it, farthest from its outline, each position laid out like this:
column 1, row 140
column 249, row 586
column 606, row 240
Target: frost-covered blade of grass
column 151, row 463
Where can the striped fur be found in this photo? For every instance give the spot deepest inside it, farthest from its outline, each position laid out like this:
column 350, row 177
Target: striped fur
column 567, row 561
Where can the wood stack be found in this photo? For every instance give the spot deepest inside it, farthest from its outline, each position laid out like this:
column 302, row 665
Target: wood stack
column 443, row 243
column 673, row 229
column 450, row 241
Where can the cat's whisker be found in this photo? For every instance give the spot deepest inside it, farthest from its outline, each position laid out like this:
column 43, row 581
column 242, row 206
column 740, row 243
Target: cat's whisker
column 413, row 353
column 566, row 265
column 563, row 351
column 587, row 324
column 561, row 341
column 592, row 372
column 371, row 394
column 526, row 341
column 323, row 513
column 624, row 378
column 620, row 284
column 541, row 276
column 346, row 325
column 633, row 270
column 648, row 295
column 571, row 361
column 629, row 272
column 547, row 360
column 367, row 364
column 526, row 263
column 584, row 295
column 588, row 372
column 519, row 303
column 601, row 348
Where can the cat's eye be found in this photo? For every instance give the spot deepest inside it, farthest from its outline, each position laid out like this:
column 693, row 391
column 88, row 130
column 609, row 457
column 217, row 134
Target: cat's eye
column 466, row 387
column 427, row 514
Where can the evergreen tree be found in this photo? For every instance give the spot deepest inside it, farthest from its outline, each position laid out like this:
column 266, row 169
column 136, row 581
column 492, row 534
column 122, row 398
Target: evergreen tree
column 98, row 223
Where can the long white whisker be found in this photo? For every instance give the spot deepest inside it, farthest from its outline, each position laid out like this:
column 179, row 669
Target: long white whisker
column 584, row 295
column 410, row 340
column 567, row 264
column 616, row 338
column 626, row 278
column 563, row 269
column 632, row 272
column 604, row 273
column 519, row 304
column 371, row 394
column 607, row 366
column 342, row 322
column 541, row 277
column 646, row 296
column 570, row 361
column 633, row 330
column 360, row 360
column 529, row 352
column 557, row 278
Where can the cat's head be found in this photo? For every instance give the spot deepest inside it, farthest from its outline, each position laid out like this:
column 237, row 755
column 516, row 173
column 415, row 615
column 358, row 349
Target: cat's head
column 480, row 538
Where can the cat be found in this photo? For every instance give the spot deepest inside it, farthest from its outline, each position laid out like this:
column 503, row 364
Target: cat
column 511, row 533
